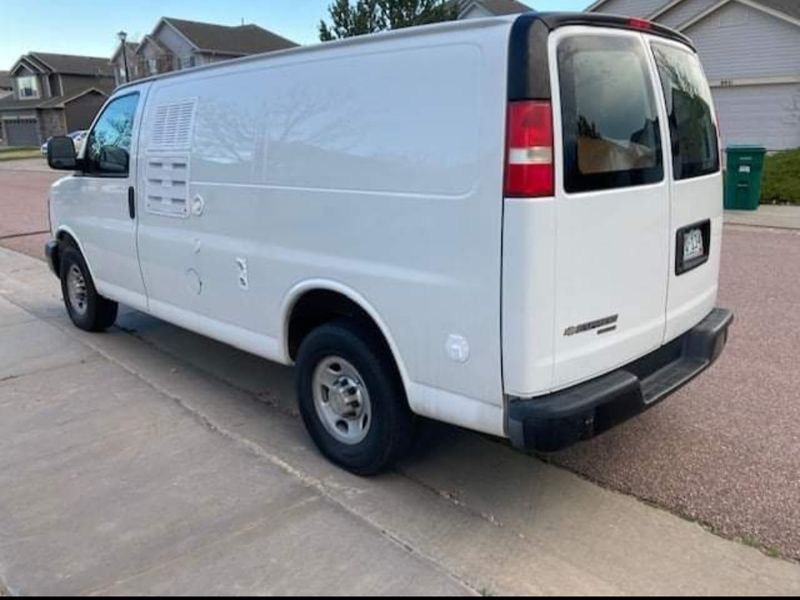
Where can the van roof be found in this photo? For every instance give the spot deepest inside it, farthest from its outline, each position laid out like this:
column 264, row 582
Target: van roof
column 528, row 72
column 381, row 36
column 520, row 22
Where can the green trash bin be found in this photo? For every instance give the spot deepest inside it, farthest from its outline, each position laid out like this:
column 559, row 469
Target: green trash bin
column 743, row 177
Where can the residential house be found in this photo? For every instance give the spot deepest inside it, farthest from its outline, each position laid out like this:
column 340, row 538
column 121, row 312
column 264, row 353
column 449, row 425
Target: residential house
column 119, row 62
column 177, row 44
column 6, row 88
column 750, row 50
column 53, row 94
column 476, row 9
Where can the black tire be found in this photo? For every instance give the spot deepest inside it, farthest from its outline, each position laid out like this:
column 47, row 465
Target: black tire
column 391, row 428
column 98, row 313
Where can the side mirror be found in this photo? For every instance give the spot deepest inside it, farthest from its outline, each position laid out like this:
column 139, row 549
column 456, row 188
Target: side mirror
column 61, row 153
column 113, row 160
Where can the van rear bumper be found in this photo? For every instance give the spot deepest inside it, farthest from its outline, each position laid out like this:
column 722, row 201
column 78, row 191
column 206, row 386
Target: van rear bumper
column 559, row 420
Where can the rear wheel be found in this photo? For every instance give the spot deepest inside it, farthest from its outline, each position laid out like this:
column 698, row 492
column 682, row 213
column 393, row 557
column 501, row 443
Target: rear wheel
column 351, row 398
column 87, row 309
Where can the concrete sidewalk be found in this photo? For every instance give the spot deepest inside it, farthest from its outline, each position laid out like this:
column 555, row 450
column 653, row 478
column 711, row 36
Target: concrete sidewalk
column 149, row 460
column 767, row 215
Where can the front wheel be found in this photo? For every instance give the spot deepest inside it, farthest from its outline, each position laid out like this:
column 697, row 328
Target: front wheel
column 351, row 398
column 87, row 309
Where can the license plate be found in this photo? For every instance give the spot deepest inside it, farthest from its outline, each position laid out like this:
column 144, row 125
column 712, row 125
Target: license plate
column 693, row 244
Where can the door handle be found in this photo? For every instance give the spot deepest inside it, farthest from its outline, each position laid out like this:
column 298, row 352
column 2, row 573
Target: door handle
column 131, row 202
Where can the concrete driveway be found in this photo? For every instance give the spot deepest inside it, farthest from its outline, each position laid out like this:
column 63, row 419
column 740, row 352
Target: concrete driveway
column 149, row 460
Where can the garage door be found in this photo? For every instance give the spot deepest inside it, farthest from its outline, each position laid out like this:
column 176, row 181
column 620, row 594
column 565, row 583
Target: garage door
column 767, row 115
column 22, row 132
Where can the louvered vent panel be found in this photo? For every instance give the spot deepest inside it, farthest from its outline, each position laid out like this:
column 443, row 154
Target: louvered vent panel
column 172, row 126
column 167, row 186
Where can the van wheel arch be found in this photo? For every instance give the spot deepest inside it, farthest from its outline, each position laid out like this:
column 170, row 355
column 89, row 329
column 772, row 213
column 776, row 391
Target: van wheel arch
column 65, row 239
column 320, row 306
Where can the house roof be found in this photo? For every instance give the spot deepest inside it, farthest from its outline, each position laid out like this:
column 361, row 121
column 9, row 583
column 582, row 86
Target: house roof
column 11, row 103
column 130, row 48
column 242, row 39
column 781, row 9
column 149, row 39
column 505, row 7
column 67, row 64
column 5, row 80
column 790, row 8
column 61, row 101
column 787, row 7
column 496, row 7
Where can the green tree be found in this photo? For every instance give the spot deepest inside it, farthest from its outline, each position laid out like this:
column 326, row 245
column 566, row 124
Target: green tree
column 369, row 16
column 349, row 20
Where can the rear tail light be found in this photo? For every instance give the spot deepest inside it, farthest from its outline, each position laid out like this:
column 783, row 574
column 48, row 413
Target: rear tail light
column 529, row 149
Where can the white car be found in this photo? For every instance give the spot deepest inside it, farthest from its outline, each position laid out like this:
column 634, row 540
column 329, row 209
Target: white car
column 513, row 225
column 77, row 139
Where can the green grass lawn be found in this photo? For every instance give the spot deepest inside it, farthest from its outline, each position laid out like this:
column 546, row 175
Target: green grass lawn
column 18, row 153
column 781, row 183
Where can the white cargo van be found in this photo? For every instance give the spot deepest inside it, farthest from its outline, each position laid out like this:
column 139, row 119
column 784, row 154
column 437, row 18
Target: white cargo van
column 512, row 225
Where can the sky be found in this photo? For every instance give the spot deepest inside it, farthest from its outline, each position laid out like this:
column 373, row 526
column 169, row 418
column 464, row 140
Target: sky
column 89, row 27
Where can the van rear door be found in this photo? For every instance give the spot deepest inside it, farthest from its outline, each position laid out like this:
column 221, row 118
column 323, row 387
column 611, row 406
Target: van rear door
column 612, row 199
column 695, row 189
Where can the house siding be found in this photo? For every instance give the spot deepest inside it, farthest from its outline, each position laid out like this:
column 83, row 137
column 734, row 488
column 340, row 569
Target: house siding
column 74, row 84
column 176, row 43
column 767, row 115
column 738, row 41
column 476, row 12
column 80, row 113
column 149, row 51
column 632, row 8
column 684, row 11
column 51, row 123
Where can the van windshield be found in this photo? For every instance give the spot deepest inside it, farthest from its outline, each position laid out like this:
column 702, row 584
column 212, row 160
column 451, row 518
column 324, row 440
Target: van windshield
column 693, row 133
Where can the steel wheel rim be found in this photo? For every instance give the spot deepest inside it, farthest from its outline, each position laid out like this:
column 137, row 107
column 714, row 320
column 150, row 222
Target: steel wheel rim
column 341, row 400
column 76, row 290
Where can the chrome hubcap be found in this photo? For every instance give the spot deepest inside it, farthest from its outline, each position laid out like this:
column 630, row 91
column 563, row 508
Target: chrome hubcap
column 342, row 400
column 76, row 290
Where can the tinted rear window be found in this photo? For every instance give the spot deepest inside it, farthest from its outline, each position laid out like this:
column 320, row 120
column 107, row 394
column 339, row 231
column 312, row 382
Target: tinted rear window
column 693, row 131
column 610, row 120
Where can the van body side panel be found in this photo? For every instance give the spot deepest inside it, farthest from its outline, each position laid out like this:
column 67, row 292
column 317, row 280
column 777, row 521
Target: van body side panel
column 377, row 166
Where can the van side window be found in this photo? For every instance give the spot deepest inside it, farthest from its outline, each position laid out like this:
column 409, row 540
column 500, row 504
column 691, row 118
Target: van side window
column 610, row 119
column 108, row 145
column 695, row 149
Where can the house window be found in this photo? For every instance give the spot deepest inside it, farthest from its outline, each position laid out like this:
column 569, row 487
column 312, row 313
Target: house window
column 185, row 62
column 28, row 87
column 152, row 65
